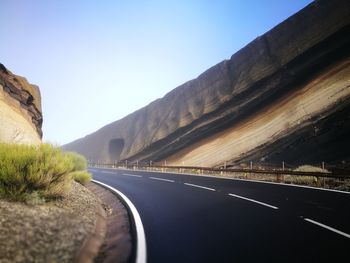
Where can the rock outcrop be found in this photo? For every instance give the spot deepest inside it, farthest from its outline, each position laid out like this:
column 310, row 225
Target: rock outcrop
column 20, row 109
column 285, row 96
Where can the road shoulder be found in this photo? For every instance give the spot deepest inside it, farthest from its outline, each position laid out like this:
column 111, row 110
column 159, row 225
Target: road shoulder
column 117, row 244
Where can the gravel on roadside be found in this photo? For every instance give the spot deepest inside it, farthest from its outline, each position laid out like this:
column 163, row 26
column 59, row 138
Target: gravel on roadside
column 50, row 232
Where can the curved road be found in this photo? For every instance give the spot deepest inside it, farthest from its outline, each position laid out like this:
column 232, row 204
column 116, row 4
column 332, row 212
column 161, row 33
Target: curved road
column 203, row 219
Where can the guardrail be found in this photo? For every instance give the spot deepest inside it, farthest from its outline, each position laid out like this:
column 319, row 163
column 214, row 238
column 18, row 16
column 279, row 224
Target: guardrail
column 339, row 179
column 197, row 169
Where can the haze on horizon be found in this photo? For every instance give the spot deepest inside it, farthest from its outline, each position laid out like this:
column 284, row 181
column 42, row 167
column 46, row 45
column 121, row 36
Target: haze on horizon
column 96, row 62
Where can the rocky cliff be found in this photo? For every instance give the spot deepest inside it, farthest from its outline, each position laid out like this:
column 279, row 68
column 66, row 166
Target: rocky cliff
column 285, row 96
column 20, row 109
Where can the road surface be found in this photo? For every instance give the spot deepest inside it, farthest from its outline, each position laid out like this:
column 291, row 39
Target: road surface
column 203, row 219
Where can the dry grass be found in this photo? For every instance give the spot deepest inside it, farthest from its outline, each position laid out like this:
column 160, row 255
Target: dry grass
column 310, row 168
column 33, row 173
column 79, row 161
column 81, row 177
column 306, row 180
column 79, row 173
column 30, row 172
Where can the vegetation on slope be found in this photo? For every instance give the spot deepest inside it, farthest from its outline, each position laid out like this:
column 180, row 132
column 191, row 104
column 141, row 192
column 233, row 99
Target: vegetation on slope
column 33, row 173
column 79, row 173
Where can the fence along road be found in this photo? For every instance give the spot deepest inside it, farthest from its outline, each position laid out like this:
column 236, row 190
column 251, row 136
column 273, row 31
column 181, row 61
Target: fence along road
column 202, row 219
column 341, row 173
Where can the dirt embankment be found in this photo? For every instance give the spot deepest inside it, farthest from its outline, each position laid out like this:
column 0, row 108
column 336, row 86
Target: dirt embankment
column 49, row 232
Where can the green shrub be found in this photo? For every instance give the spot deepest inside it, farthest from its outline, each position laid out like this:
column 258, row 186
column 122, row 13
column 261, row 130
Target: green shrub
column 79, row 173
column 78, row 160
column 81, row 177
column 30, row 172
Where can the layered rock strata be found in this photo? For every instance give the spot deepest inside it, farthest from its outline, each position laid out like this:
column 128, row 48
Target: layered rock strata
column 20, row 109
column 285, row 96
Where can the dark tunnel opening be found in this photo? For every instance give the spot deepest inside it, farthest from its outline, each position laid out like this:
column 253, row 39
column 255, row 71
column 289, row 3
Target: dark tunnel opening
column 116, row 147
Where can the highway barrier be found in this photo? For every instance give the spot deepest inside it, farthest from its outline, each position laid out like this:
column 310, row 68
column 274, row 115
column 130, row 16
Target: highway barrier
column 338, row 179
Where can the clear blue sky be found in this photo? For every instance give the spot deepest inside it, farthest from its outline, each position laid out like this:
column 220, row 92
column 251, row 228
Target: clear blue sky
column 97, row 61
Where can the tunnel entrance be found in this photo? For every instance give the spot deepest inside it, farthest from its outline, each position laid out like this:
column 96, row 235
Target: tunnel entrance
column 115, row 148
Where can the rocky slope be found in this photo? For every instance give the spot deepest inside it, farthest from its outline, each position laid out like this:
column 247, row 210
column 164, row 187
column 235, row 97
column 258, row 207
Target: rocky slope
column 285, row 96
column 20, row 109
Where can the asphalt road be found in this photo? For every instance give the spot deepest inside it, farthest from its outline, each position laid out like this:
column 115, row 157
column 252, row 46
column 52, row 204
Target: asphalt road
column 201, row 219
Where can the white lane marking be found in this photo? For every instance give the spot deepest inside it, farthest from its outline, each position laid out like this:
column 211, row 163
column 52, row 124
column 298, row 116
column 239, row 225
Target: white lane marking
column 327, row 227
column 199, row 186
column 133, row 175
column 254, row 201
column 141, row 250
column 161, row 179
column 245, row 180
column 107, row 172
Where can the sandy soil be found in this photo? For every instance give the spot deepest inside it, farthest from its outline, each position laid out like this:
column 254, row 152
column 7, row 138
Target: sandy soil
column 50, row 232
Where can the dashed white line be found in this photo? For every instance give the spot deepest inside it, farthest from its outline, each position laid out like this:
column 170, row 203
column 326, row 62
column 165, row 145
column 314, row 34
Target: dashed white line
column 199, row 186
column 254, row 201
column 133, row 175
column 247, row 180
column 161, row 179
column 327, row 227
column 107, row 172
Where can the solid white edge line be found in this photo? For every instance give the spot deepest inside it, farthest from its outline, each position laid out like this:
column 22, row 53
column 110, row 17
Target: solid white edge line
column 254, row 201
column 161, row 179
column 237, row 179
column 327, row 227
column 134, row 175
column 199, row 186
column 141, row 249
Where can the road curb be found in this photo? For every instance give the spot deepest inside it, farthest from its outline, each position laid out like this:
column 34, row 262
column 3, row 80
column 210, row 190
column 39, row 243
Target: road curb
column 140, row 251
column 94, row 241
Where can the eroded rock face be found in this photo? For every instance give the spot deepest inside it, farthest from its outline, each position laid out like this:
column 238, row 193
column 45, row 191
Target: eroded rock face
column 280, row 91
column 20, row 109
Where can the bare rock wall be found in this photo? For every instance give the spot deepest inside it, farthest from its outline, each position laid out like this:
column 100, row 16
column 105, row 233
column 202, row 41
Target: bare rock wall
column 20, row 109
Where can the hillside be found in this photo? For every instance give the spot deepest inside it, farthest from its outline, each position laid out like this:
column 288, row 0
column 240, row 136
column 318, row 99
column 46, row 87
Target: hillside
column 284, row 96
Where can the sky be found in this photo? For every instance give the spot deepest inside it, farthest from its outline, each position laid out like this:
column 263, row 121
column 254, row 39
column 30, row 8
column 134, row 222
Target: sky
column 98, row 61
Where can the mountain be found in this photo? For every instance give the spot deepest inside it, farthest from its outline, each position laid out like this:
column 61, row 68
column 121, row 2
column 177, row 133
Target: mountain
column 283, row 97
